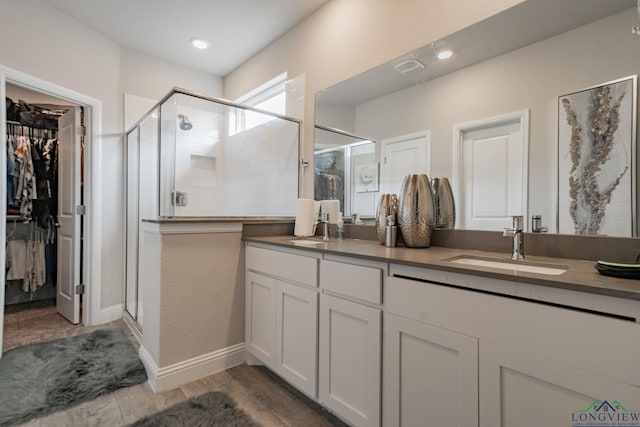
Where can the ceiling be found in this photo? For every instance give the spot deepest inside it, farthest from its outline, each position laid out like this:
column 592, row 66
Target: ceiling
column 235, row 29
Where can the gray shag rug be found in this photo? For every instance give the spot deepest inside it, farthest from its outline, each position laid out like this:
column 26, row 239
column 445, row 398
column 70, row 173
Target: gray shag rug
column 212, row 409
column 41, row 378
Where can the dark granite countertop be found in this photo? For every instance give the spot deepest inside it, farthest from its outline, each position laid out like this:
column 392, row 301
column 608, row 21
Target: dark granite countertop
column 580, row 275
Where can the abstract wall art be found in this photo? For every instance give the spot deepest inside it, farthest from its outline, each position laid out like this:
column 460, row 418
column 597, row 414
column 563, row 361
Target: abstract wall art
column 596, row 159
column 364, row 168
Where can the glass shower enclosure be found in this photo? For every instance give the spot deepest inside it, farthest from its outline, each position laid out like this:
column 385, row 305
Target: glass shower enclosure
column 193, row 156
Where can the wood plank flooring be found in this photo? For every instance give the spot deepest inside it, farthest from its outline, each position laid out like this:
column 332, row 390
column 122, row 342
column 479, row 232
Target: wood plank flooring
column 256, row 390
column 259, row 392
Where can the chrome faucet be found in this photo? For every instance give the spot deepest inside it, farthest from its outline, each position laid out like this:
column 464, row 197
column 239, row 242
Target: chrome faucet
column 324, row 220
column 518, row 239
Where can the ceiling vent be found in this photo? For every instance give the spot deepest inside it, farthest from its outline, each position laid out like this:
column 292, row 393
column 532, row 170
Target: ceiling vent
column 409, row 66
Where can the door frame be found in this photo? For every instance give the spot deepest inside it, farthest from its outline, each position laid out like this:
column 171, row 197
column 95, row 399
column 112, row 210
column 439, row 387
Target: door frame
column 459, row 129
column 91, row 252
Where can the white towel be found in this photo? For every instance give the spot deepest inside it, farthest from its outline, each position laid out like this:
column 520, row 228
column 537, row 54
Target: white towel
column 304, row 218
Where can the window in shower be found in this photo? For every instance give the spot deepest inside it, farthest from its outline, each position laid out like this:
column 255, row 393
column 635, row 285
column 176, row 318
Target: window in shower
column 271, row 96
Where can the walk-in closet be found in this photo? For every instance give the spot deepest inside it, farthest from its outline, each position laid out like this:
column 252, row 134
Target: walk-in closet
column 36, row 257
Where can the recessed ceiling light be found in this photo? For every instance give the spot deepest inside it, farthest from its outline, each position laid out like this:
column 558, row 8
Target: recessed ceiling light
column 445, row 54
column 199, row 43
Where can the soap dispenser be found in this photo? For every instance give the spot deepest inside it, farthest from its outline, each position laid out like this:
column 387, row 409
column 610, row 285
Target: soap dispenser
column 391, row 239
column 340, row 228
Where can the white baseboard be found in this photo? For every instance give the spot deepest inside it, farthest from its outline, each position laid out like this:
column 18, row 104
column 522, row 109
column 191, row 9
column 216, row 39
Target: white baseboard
column 109, row 314
column 172, row 376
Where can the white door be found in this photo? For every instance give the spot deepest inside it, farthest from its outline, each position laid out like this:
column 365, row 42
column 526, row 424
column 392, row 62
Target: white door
column 69, row 153
column 428, row 370
column 403, row 156
column 296, row 336
column 491, row 172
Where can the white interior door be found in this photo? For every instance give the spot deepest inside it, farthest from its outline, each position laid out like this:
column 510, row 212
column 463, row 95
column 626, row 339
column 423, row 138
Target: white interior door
column 69, row 152
column 492, row 172
column 403, row 156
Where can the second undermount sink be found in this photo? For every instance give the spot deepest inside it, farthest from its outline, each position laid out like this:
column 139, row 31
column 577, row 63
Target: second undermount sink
column 507, row 264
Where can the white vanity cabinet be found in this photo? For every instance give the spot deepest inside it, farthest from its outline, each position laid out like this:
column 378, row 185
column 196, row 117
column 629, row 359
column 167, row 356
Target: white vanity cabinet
column 430, row 375
column 281, row 325
column 350, row 340
column 467, row 358
column 296, row 336
column 260, row 322
column 526, row 390
column 398, row 345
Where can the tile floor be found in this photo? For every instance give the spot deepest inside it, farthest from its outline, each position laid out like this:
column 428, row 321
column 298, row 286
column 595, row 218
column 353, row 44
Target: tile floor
column 259, row 392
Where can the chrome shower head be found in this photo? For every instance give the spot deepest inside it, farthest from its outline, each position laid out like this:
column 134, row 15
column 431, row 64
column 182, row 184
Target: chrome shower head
column 185, row 124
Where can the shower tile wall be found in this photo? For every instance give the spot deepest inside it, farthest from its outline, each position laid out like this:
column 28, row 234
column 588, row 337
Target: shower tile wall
column 253, row 172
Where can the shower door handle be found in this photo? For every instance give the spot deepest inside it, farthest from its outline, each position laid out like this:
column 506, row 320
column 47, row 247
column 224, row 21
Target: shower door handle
column 179, row 198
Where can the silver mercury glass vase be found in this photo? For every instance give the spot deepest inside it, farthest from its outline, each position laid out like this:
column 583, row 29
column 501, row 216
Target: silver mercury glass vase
column 416, row 215
column 444, row 203
column 388, row 205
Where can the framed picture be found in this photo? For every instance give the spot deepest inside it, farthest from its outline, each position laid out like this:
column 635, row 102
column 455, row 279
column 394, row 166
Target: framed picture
column 364, row 169
column 596, row 159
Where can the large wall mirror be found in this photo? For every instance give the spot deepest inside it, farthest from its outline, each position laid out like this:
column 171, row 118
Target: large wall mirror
column 489, row 117
column 345, row 169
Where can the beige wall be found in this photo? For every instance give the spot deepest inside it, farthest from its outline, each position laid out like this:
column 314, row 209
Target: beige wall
column 150, row 77
column 347, row 37
column 194, row 291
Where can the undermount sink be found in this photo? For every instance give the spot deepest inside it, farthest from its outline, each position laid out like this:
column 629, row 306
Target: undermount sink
column 306, row 242
column 507, row 264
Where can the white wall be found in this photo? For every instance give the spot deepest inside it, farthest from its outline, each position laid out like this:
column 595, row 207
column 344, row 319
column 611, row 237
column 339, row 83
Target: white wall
column 346, row 37
column 39, row 40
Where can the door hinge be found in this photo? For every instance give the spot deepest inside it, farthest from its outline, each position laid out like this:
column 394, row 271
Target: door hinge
column 81, row 130
column 81, row 210
column 80, row 289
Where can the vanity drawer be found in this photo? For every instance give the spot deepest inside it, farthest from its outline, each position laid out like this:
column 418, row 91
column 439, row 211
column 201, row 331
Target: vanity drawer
column 356, row 281
column 288, row 266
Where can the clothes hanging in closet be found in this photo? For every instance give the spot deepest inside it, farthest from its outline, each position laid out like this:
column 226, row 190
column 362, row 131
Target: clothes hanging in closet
column 32, row 178
column 29, row 258
column 32, row 190
column 32, row 161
